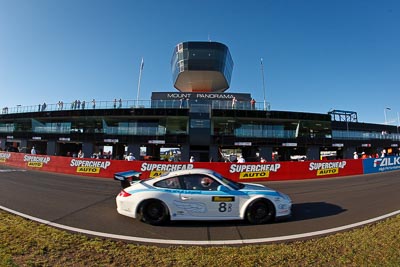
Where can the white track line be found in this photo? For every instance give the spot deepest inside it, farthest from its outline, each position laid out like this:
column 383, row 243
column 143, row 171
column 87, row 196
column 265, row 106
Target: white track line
column 203, row 242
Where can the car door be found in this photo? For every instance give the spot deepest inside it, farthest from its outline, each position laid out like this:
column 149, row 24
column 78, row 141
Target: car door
column 204, row 201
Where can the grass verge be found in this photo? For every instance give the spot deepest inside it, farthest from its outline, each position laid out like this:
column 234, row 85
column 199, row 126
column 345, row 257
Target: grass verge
column 27, row 243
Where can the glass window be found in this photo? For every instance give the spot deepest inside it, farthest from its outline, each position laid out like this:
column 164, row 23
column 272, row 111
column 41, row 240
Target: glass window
column 200, row 182
column 172, row 183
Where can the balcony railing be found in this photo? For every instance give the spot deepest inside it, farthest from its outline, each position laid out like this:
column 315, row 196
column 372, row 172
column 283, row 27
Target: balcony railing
column 116, row 104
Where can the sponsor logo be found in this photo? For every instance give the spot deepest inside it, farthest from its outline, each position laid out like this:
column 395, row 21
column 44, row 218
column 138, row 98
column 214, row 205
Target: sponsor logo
column 89, row 166
column 88, row 170
column 250, row 175
column 164, row 167
column 4, row 156
column 154, row 174
column 30, row 158
column 386, row 162
column 36, row 161
column 35, row 164
column 327, row 168
column 247, row 171
column 327, row 171
column 223, row 199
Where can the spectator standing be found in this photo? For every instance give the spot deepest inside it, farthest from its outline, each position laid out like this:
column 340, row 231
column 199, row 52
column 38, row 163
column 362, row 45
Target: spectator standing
column 33, row 151
column 234, row 100
column 253, row 103
column 241, row 159
column 130, row 157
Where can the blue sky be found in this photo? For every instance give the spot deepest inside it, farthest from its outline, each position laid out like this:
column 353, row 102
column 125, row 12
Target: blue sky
column 318, row 54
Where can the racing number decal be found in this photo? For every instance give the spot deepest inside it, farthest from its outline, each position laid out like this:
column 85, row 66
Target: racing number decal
column 225, row 207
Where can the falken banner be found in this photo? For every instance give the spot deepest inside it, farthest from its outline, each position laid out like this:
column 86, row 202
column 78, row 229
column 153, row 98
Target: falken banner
column 384, row 164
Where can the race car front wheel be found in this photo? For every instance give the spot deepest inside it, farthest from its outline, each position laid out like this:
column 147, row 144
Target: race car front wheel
column 154, row 212
column 260, row 211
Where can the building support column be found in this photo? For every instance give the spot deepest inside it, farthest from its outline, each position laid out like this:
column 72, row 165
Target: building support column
column 2, row 143
column 313, row 153
column 213, row 153
column 24, row 143
column 87, row 149
column 134, row 149
column 51, row 148
column 185, row 152
column 348, row 152
column 266, row 152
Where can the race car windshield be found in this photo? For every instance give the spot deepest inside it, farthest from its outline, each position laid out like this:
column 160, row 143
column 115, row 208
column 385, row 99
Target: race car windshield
column 229, row 182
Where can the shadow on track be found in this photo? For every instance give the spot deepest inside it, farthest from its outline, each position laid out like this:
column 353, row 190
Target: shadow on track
column 300, row 212
column 307, row 211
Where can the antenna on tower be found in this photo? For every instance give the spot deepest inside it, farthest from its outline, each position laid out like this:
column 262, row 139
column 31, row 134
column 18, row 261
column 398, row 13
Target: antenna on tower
column 209, row 38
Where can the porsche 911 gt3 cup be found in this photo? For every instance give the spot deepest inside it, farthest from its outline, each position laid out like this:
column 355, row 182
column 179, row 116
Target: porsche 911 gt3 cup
column 199, row 194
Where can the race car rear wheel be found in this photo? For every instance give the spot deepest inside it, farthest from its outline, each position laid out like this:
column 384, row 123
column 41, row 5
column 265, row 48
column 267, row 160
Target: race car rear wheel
column 154, row 212
column 260, row 211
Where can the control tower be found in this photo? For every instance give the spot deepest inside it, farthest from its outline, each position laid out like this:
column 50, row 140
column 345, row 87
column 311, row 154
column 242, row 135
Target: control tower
column 201, row 67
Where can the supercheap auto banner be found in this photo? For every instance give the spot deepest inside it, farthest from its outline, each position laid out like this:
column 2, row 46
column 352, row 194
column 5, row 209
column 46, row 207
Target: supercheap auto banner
column 246, row 172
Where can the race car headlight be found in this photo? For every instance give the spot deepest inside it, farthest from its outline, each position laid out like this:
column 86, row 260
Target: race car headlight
column 284, row 206
column 285, row 197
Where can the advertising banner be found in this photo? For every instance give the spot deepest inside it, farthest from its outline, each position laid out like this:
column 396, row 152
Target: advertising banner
column 244, row 172
column 374, row 165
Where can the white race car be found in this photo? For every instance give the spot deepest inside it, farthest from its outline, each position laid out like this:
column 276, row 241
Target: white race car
column 198, row 194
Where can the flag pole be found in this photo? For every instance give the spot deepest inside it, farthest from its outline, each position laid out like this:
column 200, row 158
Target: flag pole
column 140, row 78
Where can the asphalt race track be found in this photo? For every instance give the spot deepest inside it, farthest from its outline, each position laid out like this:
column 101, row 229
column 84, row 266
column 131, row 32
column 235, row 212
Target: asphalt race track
column 87, row 205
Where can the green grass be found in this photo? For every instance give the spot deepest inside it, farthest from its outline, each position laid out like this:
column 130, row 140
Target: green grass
column 27, row 243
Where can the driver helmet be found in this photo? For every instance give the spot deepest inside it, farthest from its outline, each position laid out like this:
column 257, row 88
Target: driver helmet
column 206, row 182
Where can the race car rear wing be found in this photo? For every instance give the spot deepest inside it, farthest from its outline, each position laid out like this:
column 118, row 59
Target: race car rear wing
column 127, row 177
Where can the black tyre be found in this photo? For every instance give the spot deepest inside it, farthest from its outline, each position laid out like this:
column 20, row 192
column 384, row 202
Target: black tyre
column 260, row 211
column 154, row 212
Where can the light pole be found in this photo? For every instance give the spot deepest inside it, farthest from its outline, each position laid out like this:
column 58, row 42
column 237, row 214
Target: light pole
column 385, row 114
column 140, row 78
column 263, row 83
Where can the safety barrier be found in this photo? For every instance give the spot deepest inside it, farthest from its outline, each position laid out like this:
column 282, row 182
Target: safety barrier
column 249, row 172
